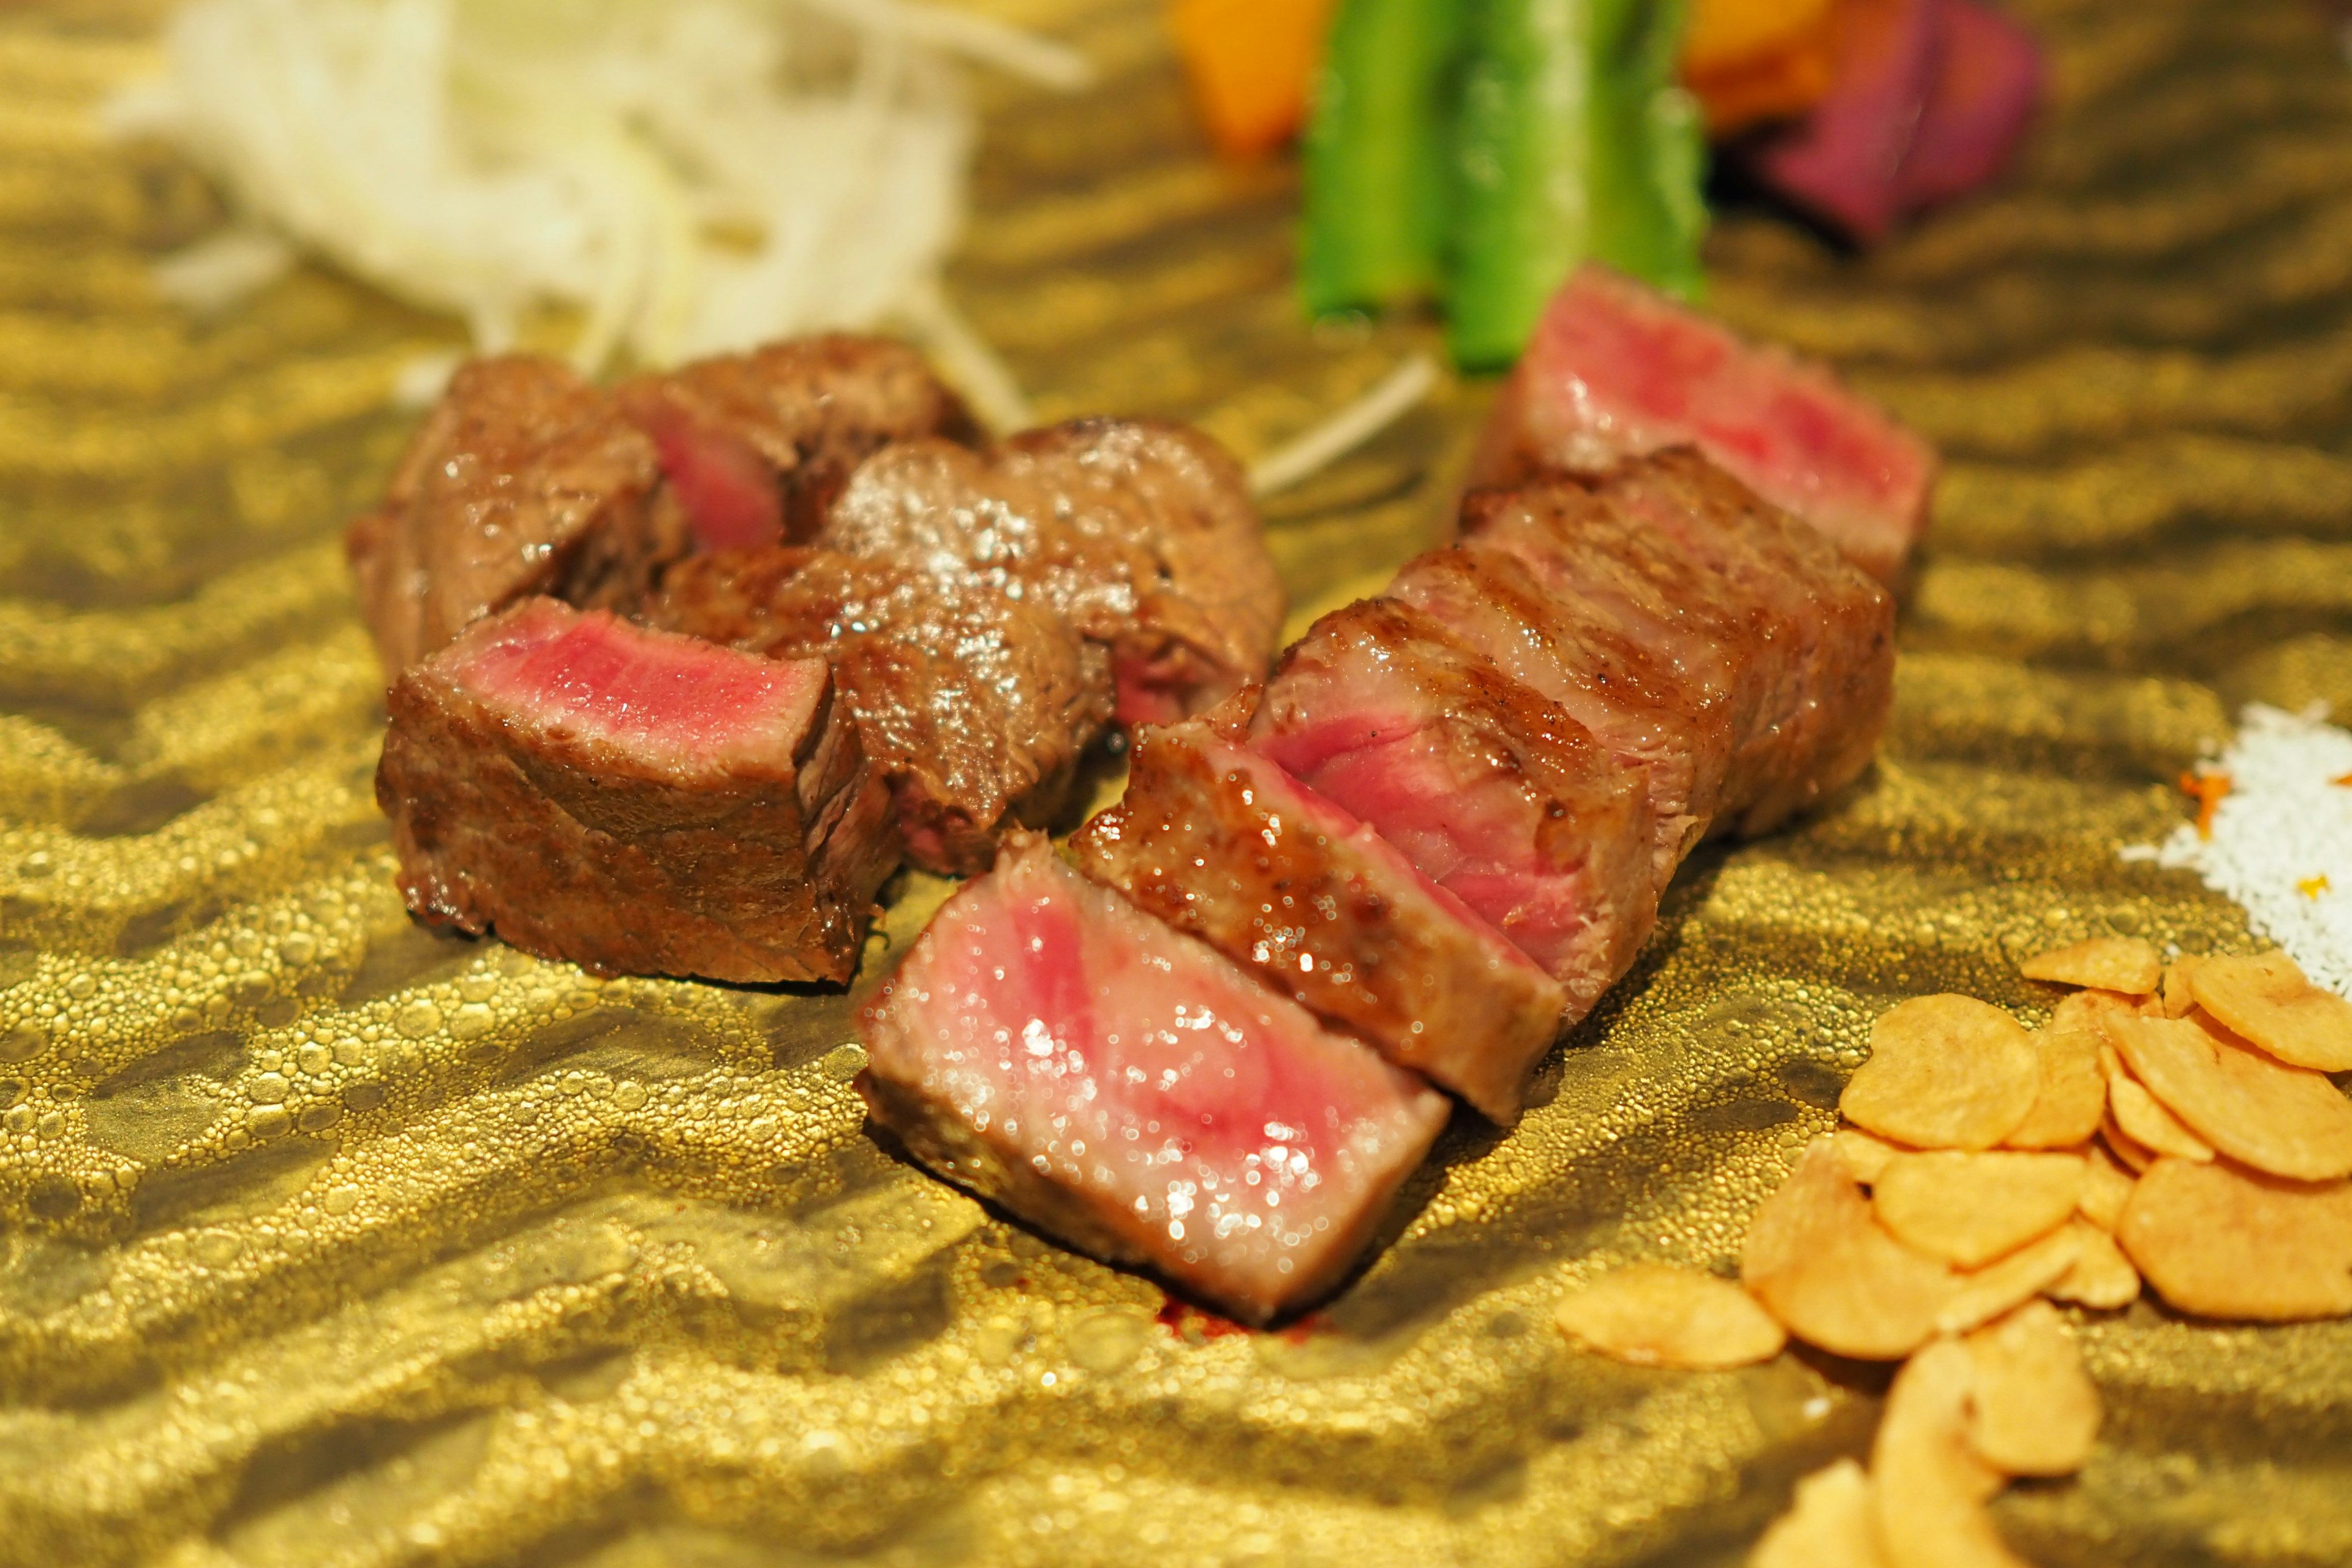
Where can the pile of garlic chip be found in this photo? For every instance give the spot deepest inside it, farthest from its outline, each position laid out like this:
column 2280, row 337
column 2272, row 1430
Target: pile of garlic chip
column 2170, row 1123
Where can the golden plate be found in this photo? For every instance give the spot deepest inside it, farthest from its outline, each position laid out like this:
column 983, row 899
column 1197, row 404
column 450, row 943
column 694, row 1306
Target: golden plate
column 325, row 1240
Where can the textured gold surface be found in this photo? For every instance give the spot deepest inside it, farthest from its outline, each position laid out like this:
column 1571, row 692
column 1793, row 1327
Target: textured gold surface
column 325, row 1240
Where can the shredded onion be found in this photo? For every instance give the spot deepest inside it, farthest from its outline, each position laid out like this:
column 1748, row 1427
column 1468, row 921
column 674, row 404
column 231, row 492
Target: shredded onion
column 692, row 176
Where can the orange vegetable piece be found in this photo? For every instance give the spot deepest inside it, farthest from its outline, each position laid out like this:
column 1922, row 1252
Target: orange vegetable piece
column 1724, row 35
column 2208, row 790
column 1751, row 60
column 1251, row 63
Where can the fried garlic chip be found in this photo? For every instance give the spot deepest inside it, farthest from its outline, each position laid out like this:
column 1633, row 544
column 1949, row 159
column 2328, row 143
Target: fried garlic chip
column 2034, row 1412
column 2266, row 999
column 1828, row 1525
column 1945, row 1072
column 2072, row 1094
column 1927, row 1487
column 1863, row 1155
column 2107, row 1187
column 2290, row 1122
column 1970, row 1208
column 1827, row 1270
column 2102, row 1277
column 1981, row 1295
column 2178, row 995
column 2223, row 1241
column 2129, row 1152
column 2144, row 1118
column 2109, row 962
column 1653, row 1315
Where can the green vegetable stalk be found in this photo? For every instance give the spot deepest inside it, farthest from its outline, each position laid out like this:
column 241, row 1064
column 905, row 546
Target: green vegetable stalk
column 1488, row 147
column 1523, row 148
column 1377, row 155
column 1573, row 143
column 1649, row 149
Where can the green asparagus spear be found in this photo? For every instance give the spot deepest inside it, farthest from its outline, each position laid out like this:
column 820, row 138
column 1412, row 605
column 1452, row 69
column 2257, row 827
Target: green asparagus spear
column 1377, row 153
column 1571, row 142
column 1648, row 149
column 1524, row 216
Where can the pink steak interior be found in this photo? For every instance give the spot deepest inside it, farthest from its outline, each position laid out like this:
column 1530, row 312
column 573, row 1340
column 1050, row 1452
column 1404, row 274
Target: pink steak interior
column 678, row 699
column 1611, row 358
column 1220, row 1123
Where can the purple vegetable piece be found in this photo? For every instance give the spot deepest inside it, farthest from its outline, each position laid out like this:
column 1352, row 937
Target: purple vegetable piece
column 1986, row 89
column 1845, row 163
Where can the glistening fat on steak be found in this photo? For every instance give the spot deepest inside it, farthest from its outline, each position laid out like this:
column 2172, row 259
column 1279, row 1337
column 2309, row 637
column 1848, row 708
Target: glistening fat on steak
column 524, row 480
column 976, row 706
column 755, row 446
column 1125, row 1087
column 1141, row 535
column 1218, row 841
column 1740, row 597
column 1616, row 370
column 635, row 801
column 1497, row 795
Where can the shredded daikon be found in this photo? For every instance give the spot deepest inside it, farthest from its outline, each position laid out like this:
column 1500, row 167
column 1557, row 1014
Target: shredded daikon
column 691, row 177
column 2279, row 839
column 1393, row 396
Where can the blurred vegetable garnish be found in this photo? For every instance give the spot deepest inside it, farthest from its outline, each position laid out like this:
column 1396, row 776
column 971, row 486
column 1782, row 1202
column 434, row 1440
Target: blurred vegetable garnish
column 1251, row 63
column 1478, row 152
column 1472, row 153
column 1928, row 100
column 1752, row 60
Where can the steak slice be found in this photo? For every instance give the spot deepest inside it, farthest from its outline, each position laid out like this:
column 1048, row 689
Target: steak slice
column 635, row 801
column 524, row 480
column 975, row 707
column 1218, row 841
column 1663, row 719
column 1733, row 592
column 1494, row 794
column 756, row 446
column 1832, row 627
column 1141, row 535
column 1616, row 370
column 1128, row 1088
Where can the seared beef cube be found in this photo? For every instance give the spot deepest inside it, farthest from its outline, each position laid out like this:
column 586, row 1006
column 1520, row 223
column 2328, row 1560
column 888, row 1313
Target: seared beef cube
column 1838, row 622
column 755, row 446
column 635, row 801
column 1616, row 370
column 975, row 707
column 1128, row 1090
column 1658, row 718
column 1496, row 795
column 524, row 480
column 1218, row 841
column 1141, row 535
column 1735, row 581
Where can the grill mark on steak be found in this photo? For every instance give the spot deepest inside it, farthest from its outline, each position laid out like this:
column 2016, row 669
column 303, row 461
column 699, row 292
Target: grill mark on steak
column 976, row 706
column 523, row 481
column 1671, row 729
column 1697, row 566
column 1218, row 841
column 1049, row 1046
column 635, row 801
column 1831, row 627
column 1141, row 535
column 1494, row 794
column 756, row 446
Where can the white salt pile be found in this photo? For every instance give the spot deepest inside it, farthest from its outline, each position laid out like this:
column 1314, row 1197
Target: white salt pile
column 2277, row 836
